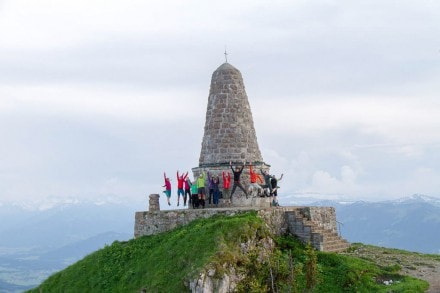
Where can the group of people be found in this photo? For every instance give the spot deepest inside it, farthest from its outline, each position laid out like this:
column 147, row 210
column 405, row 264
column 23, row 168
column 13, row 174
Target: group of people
column 194, row 192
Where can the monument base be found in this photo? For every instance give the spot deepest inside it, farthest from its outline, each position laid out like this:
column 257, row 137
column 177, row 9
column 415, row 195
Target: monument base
column 219, row 168
column 240, row 201
column 315, row 225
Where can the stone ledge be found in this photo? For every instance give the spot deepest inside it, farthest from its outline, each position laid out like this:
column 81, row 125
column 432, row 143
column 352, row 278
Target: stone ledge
column 314, row 223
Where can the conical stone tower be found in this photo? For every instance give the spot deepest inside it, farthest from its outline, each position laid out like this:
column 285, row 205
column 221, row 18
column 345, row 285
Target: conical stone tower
column 229, row 134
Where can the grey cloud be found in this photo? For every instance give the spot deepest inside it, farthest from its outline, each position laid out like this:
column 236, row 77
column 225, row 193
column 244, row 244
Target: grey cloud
column 298, row 51
column 144, row 63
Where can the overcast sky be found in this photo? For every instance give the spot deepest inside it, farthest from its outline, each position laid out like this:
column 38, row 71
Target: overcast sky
column 99, row 98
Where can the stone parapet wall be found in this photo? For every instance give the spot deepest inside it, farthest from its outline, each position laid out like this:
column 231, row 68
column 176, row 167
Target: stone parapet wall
column 280, row 220
column 325, row 218
column 150, row 223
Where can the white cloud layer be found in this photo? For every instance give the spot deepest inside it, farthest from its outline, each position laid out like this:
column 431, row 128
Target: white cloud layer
column 100, row 98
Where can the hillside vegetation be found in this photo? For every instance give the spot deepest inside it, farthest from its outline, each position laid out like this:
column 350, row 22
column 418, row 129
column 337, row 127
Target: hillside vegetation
column 219, row 246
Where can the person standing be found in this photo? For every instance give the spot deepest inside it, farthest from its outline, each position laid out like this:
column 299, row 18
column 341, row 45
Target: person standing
column 237, row 173
column 187, row 189
column 210, row 187
column 167, row 186
column 201, row 188
column 226, row 184
column 216, row 190
column 180, row 180
column 194, row 194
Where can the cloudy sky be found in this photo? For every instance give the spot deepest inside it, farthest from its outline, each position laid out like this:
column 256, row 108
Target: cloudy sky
column 99, row 98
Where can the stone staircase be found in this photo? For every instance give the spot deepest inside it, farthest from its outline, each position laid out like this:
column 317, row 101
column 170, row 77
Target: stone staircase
column 321, row 238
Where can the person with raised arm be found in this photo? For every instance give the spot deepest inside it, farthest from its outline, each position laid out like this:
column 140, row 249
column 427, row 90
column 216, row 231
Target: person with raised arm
column 267, row 187
column 167, row 186
column 274, row 184
column 187, row 191
column 180, row 191
column 226, row 185
column 255, row 189
column 237, row 173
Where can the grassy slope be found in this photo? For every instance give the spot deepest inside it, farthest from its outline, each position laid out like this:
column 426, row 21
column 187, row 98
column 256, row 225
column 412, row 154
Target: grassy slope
column 163, row 263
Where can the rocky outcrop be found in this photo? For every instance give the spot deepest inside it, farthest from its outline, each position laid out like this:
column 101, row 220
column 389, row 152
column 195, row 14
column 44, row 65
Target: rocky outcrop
column 210, row 280
column 315, row 225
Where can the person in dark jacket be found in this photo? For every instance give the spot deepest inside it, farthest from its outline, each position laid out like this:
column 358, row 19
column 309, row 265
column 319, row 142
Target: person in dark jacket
column 237, row 173
column 274, row 192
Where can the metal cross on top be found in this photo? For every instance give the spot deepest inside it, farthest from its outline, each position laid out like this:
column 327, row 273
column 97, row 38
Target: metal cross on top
column 226, row 56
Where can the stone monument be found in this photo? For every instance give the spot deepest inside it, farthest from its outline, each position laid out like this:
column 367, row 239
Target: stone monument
column 229, row 133
column 230, row 136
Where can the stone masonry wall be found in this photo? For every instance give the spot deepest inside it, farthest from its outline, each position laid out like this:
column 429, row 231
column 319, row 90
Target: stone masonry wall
column 229, row 133
column 150, row 223
column 244, row 179
column 277, row 220
column 326, row 220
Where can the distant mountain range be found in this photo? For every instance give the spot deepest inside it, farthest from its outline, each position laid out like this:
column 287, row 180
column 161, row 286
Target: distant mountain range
column 411, row 224
column 62, row 225
column 36, row 243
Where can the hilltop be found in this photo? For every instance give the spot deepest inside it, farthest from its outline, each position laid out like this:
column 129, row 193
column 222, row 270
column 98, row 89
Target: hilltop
column 235, row 252
column 73, row 230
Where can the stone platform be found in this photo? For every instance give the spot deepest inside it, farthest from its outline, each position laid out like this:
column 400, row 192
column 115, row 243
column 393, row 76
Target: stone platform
column 316, row 225
column 241, row 201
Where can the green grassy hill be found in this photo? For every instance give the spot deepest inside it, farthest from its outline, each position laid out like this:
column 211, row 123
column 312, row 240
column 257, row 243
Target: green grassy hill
column 239, row 247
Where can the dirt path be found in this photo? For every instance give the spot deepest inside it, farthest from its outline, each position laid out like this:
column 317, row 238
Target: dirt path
column 421, row 266
column 429, row 272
